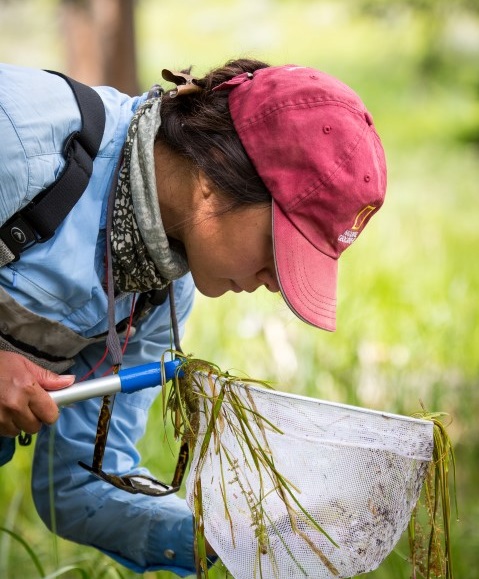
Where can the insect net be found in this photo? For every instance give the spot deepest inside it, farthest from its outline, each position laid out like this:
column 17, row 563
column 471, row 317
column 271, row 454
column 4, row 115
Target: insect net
column 353, row 478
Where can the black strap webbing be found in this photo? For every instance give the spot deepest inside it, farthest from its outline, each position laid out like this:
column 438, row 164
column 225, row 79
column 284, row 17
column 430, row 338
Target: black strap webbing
column 38, row 221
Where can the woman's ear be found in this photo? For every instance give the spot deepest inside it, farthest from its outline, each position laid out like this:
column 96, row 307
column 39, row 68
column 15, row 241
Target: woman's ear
column 206, row 186
column 210, row 200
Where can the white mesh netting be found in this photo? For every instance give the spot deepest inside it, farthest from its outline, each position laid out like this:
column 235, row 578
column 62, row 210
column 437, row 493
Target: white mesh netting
column 358, row 474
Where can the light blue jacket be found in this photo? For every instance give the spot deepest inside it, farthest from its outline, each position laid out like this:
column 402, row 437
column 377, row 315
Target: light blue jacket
column 62, row 280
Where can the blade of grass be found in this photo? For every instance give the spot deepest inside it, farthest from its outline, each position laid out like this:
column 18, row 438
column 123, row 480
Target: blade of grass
column 10, row 518
column 28, row 549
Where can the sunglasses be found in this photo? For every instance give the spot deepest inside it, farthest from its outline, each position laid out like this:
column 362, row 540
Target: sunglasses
column 137, row 483
column 133, row 483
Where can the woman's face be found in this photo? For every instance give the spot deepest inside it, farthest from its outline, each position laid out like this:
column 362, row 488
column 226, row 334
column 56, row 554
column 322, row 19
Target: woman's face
column 232, row 251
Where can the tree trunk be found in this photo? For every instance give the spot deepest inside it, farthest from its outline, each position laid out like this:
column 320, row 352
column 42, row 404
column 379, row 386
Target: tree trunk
column 100, row 42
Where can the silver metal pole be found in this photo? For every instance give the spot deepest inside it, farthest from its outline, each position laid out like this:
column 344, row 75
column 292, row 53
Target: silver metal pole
column 88, row 389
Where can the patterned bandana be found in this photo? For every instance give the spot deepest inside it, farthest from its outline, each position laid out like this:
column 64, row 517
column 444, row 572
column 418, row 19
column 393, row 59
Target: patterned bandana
column 143, row 257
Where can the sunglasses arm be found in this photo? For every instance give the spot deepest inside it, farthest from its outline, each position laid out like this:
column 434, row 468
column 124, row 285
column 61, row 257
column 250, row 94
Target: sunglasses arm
column 128, row 380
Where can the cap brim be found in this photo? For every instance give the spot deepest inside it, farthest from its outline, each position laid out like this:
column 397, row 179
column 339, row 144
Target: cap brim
column 307, row 277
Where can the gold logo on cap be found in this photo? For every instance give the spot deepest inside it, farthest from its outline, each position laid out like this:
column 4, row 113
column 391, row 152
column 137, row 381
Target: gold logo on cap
column 362, row 216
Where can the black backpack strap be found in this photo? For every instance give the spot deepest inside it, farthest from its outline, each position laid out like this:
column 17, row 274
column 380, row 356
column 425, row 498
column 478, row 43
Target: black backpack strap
column 38, row 221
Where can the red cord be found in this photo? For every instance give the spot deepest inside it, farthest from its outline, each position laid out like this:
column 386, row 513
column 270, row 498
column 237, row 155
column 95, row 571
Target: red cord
column 123, row 349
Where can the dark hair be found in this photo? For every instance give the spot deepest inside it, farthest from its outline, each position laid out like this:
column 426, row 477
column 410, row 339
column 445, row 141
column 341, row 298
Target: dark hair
column 199, row 127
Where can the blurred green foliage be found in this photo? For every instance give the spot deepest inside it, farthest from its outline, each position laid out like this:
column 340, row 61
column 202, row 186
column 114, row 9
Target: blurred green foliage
column 408, row 307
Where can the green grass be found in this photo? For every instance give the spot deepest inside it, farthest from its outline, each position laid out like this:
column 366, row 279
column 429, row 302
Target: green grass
column 408, row 295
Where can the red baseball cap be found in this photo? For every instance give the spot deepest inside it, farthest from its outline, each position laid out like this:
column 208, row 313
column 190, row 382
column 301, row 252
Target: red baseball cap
column 315, row 147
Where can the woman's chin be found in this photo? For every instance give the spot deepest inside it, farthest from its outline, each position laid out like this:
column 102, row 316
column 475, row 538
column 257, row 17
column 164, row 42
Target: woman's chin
column 220, row 290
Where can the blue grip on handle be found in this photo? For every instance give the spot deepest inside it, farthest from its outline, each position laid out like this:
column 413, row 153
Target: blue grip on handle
column 147, row 375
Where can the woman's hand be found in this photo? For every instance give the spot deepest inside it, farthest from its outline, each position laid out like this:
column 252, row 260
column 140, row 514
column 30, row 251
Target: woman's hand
column 24, row 404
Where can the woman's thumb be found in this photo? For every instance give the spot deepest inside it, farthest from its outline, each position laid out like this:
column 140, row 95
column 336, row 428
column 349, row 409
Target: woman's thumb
column 51, row 381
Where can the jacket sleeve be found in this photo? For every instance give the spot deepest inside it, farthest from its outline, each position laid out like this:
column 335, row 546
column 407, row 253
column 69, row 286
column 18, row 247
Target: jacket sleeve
column 37, row 114
column 143, row 533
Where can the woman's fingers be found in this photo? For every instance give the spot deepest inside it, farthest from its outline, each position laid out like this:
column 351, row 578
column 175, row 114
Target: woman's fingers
column 42, row 407
column 25, row 408
column 24, row 403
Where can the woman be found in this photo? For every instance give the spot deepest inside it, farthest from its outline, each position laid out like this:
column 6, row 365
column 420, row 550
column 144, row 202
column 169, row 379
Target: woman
column 250, row 176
